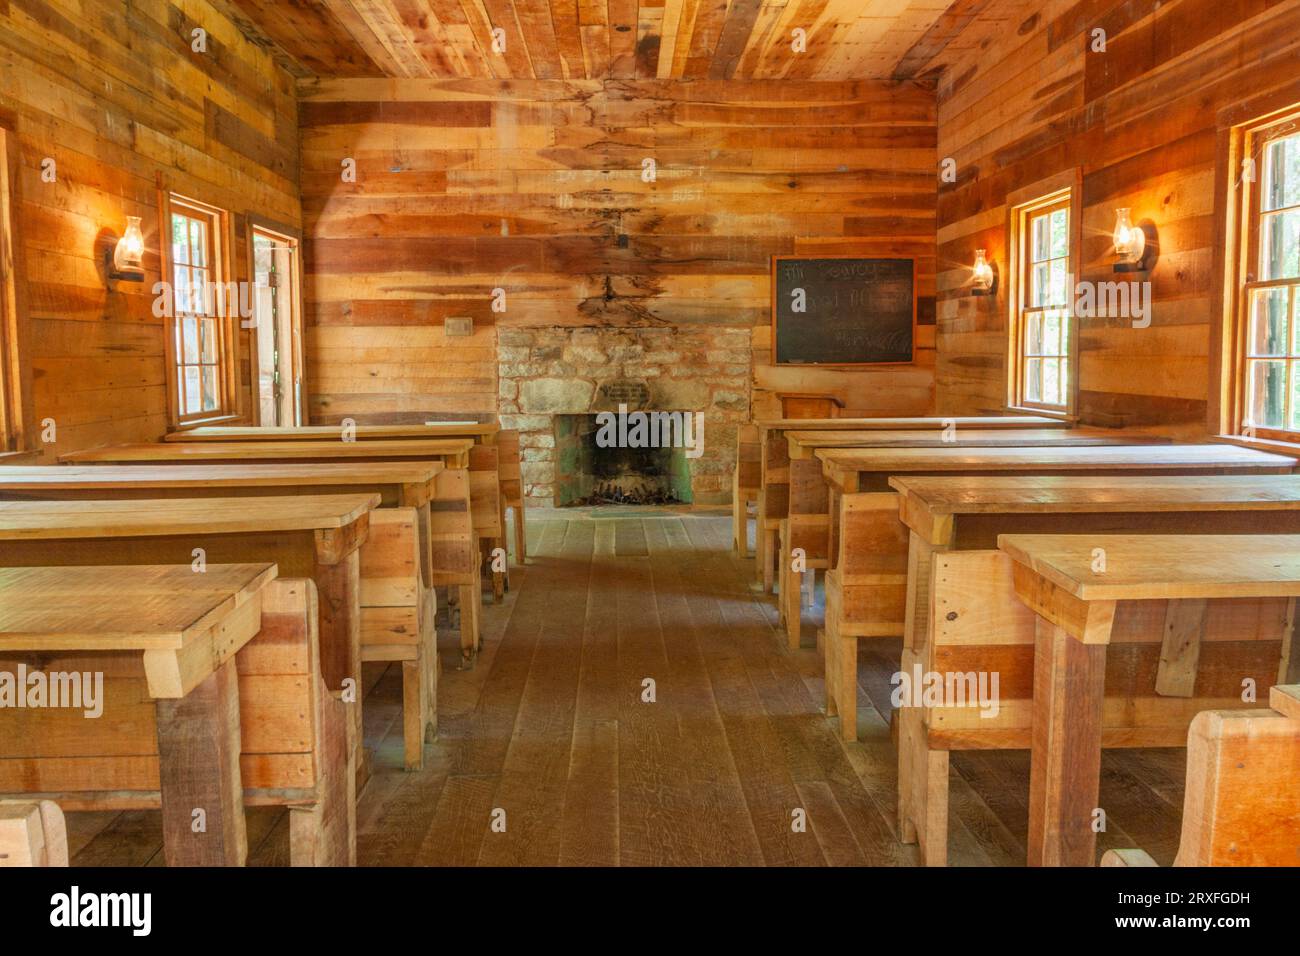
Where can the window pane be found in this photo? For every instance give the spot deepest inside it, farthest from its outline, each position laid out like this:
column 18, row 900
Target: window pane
column 1283, row 187
column 198, row 242
column 191, row 377
column 189, row 340
column 1040, row 247
column 1034, row 380
column 180, row 247
column 1268, row 322
column 1266, row 388
column 209, row 388
column 1052, row 333
column 1059, row 280
column 1052, row 381
column 1039, row 278
column 209, row 340
column 1034, row 334
column 1295, row 396
column 1280, row 255
column 1060, row 233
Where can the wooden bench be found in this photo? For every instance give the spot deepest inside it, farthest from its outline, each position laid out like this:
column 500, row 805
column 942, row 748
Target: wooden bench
column 807, row 524
column 868, row 585
column 745, row 482
column 1241, row 806
column 962, row 611
column 1056, row 576
column 212, row 698
column 774, row 464
column 317, row 537
column 398, row 568
column 32, row 833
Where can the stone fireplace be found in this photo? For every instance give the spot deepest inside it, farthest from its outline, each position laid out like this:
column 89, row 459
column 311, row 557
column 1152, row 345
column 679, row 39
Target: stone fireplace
column 587, row 467
column 552, row 381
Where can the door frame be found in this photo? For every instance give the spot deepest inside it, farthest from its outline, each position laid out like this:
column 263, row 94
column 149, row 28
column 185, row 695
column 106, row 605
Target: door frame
column 293, row 237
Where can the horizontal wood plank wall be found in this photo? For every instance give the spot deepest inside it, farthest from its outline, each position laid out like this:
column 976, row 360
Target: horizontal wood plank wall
column 464, row 186
column 1030, row 100
column 114, row 94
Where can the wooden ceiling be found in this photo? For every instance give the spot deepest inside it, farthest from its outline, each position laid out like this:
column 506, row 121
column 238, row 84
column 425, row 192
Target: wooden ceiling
column 618, row 39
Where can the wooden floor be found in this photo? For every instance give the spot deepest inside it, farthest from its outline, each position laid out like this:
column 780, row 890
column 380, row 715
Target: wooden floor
column 550, row 727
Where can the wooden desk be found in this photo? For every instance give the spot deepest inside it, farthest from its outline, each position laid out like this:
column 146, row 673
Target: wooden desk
column 480, row 462
column 316, row 537
column 478, row 432
column 956, row 571
column 209, row 696
column 774, row 474
column 420, row 538
column 483, row 435
column 451, row 452
column 804, row 444
column 866, row 592
column 808, row 520
column 1075, row 605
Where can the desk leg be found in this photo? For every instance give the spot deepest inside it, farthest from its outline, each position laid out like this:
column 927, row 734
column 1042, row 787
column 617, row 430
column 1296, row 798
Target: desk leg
column 1065, row 762
column 338, row 587
column 198, row 758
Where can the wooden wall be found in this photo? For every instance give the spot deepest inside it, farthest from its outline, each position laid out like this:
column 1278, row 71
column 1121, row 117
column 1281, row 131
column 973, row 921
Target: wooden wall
column 115, row 95
column 470, row 185
column 1029, row 99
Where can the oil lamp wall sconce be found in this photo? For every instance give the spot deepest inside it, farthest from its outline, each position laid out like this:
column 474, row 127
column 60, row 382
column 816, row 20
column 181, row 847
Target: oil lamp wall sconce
column 984, row 281
column 126, row 262
column 1131, row 246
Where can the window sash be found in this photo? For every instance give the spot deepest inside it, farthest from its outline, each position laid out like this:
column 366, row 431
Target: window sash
column 1032, row 364
column 198, row 313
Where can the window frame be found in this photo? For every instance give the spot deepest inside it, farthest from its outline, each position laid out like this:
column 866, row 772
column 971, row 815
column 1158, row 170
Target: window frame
column 1250, row 141
column 226, row 364
column 1059, row 191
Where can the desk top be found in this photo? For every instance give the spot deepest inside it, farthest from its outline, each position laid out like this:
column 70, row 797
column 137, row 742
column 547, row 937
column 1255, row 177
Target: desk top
column 164, row 517
column 269, row 475
column 122, row 608
column 1044, row 494
column 804, row 443
column 327, row 432
column 1113, row 457
column 1157, row 566
column 927, row 422
column 273, row 450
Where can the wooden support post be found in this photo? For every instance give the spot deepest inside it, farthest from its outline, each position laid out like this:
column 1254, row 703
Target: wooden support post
column 521, row 534
column 1065, row 765
column 198, row 758
column 1180, row 650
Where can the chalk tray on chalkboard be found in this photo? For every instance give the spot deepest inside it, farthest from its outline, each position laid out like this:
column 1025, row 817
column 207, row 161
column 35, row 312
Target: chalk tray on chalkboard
column 843, row 310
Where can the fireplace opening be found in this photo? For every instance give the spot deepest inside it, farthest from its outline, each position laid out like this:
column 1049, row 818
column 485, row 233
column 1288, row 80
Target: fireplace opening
column 592, row 470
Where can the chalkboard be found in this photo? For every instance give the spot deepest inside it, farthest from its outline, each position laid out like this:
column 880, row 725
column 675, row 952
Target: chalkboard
column 855, row 311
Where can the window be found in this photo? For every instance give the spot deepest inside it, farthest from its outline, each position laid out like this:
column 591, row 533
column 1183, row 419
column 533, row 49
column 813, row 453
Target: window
column 200, row 333
column 1042, row 369
column 1271, row 284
